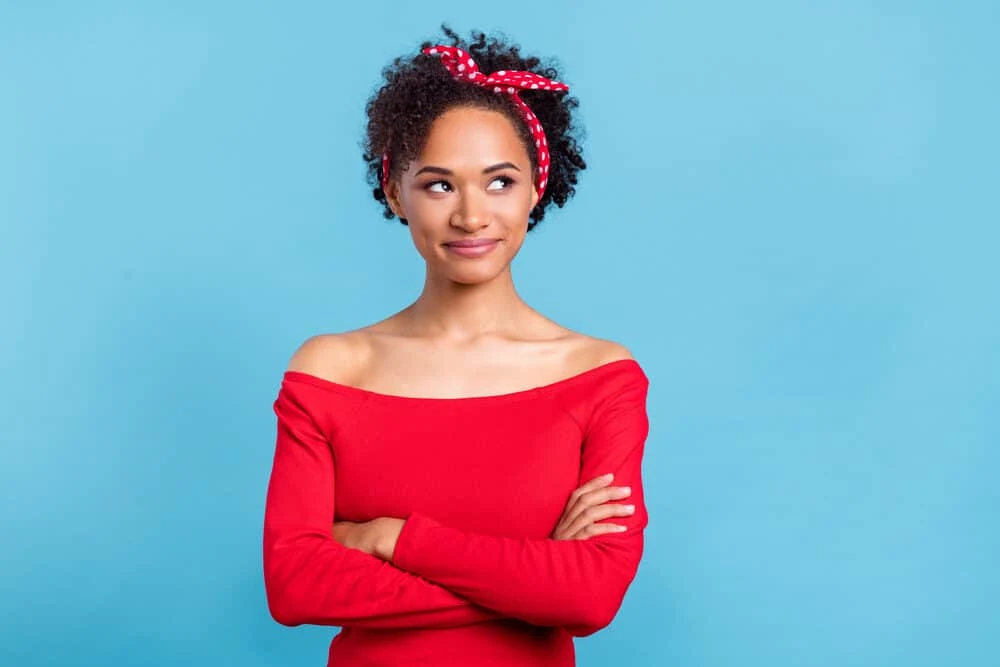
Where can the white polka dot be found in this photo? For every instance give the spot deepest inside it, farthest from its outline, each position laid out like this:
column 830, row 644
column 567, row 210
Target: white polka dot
column 471, row 62
column 461, row 67
column 502, row 72
column 510, row 90
column 497, row 89
column 472, row 75
column 433, row 52
column 534, row 85
column 538, row 142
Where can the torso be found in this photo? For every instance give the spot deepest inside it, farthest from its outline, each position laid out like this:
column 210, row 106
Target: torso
column 379, row 358
column 501, row 466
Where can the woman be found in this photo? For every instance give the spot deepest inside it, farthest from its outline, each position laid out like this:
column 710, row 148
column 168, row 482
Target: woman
column 442, row 479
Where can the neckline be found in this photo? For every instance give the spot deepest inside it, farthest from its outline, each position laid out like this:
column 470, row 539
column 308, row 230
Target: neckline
column 323, row 383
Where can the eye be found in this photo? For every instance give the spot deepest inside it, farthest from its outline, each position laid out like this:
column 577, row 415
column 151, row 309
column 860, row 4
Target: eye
column 507, row 181
column 434, row 186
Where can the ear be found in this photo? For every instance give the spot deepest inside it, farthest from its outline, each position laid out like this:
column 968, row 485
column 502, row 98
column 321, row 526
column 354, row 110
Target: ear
column 534, row 196
column 392, row 197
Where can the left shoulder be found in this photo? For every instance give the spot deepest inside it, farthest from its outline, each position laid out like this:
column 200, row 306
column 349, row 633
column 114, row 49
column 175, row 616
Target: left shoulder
column 612, row 351
column 592, row 352
column 621, row 392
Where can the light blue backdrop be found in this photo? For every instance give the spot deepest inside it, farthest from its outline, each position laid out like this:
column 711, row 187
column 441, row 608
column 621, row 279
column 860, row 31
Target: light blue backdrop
column 790, row 216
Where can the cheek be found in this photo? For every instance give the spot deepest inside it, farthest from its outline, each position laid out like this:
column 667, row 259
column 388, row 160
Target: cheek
column 424, row 214
column 514, row 204
column 423, row 240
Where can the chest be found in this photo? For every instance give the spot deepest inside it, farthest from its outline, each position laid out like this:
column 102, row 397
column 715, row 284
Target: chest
column 505, row 469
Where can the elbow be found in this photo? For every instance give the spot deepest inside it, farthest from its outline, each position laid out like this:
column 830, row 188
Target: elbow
column 283, row 619
column 592, row 618
column 282, row 616
column 284, row 602
column 595, row 607
column 283, row 588
column 280, row 606
column 291, row 574
column 582, row 630
column 602, row 617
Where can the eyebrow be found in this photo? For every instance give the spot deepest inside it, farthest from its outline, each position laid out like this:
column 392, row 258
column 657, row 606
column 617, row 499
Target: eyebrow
column 447, row 172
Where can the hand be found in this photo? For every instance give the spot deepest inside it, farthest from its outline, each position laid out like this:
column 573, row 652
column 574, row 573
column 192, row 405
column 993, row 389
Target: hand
column 588, row 504
column 376, row 537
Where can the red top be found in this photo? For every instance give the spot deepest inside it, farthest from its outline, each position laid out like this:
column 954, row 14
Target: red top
column 475, row 579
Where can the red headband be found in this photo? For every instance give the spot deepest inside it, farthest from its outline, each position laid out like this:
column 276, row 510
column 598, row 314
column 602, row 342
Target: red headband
column 464, row 68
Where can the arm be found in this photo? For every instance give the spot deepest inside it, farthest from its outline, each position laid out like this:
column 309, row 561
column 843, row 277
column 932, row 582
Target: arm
column 308, row 576
column 576, row 584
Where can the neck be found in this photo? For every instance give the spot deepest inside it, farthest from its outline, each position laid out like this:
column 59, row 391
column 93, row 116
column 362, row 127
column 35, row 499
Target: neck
column 465, row 313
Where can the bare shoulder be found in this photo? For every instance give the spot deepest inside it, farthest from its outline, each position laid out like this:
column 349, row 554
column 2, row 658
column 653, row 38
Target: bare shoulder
column 593, row 352
column 332, row 356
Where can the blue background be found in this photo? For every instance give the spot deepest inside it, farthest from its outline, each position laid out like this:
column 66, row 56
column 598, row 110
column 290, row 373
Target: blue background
column 790, row 217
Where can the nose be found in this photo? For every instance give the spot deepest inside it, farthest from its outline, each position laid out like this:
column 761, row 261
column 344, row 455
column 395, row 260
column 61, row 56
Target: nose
column 471, row 212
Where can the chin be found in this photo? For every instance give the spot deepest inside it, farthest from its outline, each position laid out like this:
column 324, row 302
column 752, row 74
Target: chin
column 472, row 276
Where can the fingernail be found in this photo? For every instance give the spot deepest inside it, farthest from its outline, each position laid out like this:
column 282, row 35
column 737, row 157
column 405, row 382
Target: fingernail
column 629, row 508
column 610, row 476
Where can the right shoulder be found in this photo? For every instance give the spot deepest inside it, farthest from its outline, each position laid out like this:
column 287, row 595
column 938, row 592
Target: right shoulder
column 332, row 356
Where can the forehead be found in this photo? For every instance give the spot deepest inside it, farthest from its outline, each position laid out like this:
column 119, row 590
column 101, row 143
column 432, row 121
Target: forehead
column 472, row 135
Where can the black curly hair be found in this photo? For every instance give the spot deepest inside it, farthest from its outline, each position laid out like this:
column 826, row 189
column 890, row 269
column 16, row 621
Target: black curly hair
column 418, row 89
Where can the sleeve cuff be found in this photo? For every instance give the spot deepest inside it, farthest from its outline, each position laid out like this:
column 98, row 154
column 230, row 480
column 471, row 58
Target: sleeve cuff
column 411, row 540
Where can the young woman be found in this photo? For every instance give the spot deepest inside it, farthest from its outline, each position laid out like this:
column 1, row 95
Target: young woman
column 459, row 483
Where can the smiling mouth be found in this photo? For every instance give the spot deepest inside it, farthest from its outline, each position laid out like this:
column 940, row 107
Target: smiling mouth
column 471, row 243
column 478, row 250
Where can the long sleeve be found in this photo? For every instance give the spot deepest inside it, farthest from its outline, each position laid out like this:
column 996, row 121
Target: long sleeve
column 311, row 578
column 576, row 584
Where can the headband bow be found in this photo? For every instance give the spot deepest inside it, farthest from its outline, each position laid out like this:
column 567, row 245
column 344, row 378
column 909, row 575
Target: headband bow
column 464, row 68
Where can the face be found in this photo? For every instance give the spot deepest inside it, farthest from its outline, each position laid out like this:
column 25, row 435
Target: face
column 473, row 181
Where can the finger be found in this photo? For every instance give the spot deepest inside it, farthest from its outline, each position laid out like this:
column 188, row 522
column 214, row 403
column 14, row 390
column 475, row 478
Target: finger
column 605, row 528
column 607, row 494
column 592, row 485
column 585, row 489
column 594, row 514
column 595, row 498
column 342, row 530
column 580, row 521
column 569, row 525
column 599, row 529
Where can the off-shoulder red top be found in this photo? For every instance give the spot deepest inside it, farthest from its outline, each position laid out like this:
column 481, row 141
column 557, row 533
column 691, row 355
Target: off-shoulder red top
column 475, row 579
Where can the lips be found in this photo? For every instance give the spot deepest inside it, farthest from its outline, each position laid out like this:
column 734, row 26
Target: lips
column 471, row 243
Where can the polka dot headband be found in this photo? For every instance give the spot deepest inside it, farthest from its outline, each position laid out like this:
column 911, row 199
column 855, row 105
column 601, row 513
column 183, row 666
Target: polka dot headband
column 509, row 82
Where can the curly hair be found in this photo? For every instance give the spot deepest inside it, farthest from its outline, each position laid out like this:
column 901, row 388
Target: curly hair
column 418, row 89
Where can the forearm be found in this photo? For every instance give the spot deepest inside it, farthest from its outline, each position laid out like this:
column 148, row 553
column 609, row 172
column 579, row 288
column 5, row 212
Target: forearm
column 310, row 579
column 576, row 584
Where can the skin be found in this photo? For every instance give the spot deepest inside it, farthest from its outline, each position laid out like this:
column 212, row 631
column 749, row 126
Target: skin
column 488, row 193
column 472, row 179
